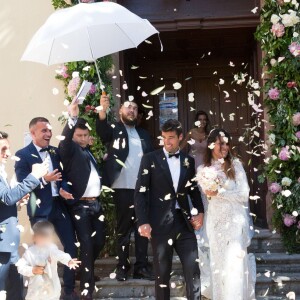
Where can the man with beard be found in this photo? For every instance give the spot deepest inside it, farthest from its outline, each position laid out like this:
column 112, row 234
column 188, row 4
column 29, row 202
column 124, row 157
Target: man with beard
column 126, row 145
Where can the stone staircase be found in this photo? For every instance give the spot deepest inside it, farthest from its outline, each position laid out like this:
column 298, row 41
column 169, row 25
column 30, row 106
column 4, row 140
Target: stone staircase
column 277, row 274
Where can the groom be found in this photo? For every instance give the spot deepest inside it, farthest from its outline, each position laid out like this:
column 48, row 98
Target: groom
column 166, row 178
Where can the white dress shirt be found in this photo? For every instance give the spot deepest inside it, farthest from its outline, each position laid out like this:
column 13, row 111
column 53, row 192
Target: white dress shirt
column 174, row 166
column 45, row 156
column 3, row 173
column 93, row 188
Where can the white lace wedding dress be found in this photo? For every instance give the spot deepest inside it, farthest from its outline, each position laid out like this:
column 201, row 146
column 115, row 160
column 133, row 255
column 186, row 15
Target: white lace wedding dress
column 233, row 271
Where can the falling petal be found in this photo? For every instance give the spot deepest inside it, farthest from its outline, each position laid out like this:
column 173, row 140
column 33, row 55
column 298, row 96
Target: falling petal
column 55, row 91
column 157, row 90
column 177, row 85
column 133, row 67
column 60, row 137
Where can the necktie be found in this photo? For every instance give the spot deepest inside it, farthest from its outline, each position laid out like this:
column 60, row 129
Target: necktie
column 176, row 155
column 45, row 149
column 91, row 158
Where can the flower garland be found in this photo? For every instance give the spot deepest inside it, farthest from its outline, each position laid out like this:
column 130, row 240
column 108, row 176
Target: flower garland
column 72, row 75
column 280, row 41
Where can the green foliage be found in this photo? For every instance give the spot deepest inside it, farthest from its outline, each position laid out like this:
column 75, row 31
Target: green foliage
column 281, row 68
column 87, row 71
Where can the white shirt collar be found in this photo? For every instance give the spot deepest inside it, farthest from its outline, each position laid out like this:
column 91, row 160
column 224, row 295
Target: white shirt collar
column 38, row 148
column 167, row 153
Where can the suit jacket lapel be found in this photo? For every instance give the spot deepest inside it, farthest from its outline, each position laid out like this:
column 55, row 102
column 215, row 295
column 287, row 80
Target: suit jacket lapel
column 34, row 153
column 183, row 171
column 165, row 167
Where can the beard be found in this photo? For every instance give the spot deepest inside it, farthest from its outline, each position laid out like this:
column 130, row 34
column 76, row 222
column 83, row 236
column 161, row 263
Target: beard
column 129, row 121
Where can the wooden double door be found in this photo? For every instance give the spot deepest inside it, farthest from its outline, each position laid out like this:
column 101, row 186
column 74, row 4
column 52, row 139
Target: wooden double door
column 204, row 63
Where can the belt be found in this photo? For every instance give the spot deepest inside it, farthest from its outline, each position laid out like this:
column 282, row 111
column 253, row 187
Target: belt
column 89, row 198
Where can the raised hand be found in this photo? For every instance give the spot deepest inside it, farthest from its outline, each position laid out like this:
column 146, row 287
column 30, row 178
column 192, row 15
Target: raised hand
column 74, row 263
column 24, row 200
column 145, row 230
column 104, row 106
column 74, row 109
column 39, row 170
column 53, row 176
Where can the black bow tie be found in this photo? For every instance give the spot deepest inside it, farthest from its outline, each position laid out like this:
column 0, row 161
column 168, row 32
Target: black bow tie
column 45, row 149
column 176, row 155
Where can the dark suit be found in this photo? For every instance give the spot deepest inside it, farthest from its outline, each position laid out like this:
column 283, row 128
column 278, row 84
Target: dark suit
column 123, row 198
column 77, row 168
column 155, row 204
column 10, row 235
column 50, row 208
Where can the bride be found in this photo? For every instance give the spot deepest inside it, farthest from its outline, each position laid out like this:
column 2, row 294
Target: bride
column 223, row 180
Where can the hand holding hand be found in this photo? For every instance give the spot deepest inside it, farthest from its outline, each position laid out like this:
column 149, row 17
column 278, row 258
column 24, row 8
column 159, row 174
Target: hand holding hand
column 53, row 176
column 197, row 221
column 65, row 194
column 145, row 231
column 37, row 270
column 74, row 263
column 39, row 170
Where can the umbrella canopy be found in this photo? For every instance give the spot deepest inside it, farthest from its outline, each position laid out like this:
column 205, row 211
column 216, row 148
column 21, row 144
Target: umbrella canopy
column 87, row 31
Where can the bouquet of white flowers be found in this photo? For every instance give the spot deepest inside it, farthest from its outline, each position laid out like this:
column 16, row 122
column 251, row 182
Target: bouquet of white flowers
column 210, row 178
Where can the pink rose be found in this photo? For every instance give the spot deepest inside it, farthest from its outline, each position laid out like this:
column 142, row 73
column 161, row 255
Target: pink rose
column 296, row 119
column 274, row 188
column 298, row 135
column 64, row 70
column 73, row 86
column 278, row 30
column 274, row 94
column 284, row 154
column 294, row 49
column 291, row 84
column 289, row 220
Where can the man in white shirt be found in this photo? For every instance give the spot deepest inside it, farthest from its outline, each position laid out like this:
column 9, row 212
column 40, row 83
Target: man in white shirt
column 82, row 174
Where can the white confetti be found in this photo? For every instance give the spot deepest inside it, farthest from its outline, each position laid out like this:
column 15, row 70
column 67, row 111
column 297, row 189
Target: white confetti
column 60, row 137
column 177, row 85
column 125, row 86
column 112, row 275
column 170, row 242
column 55, row 91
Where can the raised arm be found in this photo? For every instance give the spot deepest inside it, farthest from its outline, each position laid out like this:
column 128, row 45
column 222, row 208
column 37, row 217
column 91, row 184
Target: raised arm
column 103, row 128
column 10, row 196
column 184, row 143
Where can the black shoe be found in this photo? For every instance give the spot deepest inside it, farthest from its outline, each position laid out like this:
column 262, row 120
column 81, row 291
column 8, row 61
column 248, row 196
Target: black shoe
column 122, row 274
column 144, row 273
column 72, row 296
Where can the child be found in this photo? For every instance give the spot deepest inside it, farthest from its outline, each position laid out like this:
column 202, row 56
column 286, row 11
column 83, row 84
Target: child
column 39, row 263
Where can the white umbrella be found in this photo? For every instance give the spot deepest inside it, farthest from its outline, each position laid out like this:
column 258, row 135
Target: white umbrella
column 87, row 31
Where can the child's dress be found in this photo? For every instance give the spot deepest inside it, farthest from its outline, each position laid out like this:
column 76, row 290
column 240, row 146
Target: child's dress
column 46, row 286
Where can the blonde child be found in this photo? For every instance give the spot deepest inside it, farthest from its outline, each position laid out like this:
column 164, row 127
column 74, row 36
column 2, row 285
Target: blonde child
column 39, row 264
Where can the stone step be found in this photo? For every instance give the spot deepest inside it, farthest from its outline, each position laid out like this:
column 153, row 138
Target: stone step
column 264, row 241
column 266, row 287
column 273, row 263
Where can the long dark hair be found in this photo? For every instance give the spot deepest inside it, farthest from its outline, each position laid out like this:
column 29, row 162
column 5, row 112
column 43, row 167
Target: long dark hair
column 217, row 134
column 203, row 113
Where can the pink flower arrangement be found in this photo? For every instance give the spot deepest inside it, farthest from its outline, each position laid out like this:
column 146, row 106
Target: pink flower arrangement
column 278, row 30
column 64, row 70
column 298, row 135
column 294, row 49
column 73, row 86
column 296, row 119
column 92, row 90
column 284, row 154
column 289, row 220
column 274, row 94
column 274, row 188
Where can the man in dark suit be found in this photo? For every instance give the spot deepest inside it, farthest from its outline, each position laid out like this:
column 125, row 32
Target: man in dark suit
column 166, row 178
column 82, row 173
column 10, row 280
column 126, row 145
column 45, row 202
